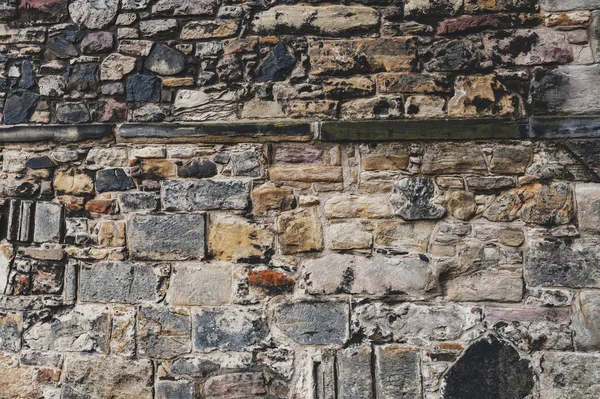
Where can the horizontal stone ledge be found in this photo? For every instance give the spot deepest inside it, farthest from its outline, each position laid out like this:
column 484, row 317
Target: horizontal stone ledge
column 216, row 132
column 430, row 129
column 58, row 133
column 560, row 127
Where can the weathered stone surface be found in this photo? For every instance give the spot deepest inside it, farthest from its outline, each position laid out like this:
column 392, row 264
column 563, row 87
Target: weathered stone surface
column 84, row 329
column 397, row 371
column 163, row 333
column 52, row 86
column 119, row 282
column 276, row 65
column 19, row 106
column 269, row 197
column 569, row 375
column 586, row 323
column 11, row 328
column 486, row 285
column 198, row 168
column 461, row 205
column 422, row 107
column 205, row 194
column 510, row 159
column 414, row 201
column 42, row 12
column 316, row 323
column 76, row 112
column 116, row 66
column 402, row 236
column 97, row 42
column 93, row 14
column 143, row 88
column 300, row 232
column 334, row 274
column 185, row 7
column 354, row 373
column 164, row 60
column 227, row 329
column 453, row 55
column 357, row 207
column 423, row 8
column 73, row 181
column 567, row 5
column 99, row 158
column 489, row 183
column 233, row 238
column 113, row 180
column 306, row 174
column 48, row 222
column 236, row 384
column 166, row 237
column 106, row 376
column 478, row 23
column 200, row 285
column 18, row 382
column 558, row 262
column 484, row 370
column 482, row 95
column 355, row 56
column 452, row 158
column 429, row 83
column 347, row 236
column 539, row 204
column 194, row 105
column 588, row 207
column 380, row 107
column 196, row 30
column 83, row 77
column 132, row 202
column 322, row 20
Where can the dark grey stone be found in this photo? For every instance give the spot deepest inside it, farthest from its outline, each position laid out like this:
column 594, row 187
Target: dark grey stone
column 97, row 42
column 27, row 80
column 181, row 389
column 354, row 373
column 198, row 168
column 229, row 68
column 43, row 162
column 314, row 323
column 166, row 237
column 83, row 77
column 554, row 262
column 245, row 163
column 397, row 372
column 227, row 329
column 163, row 333
column 588, row 153
column 59, row 47
column 113, row 180
column 492, row 369
column 56, row 133
column 193, row 367
column 206, row 194
column 564, row 127
column 19, row 106
column 145, row 88
column 72, row 112
column 276, row 65
column 48, row 222
column 120, row 282
column 11, row 328
column 164, row 60
column 137, row 201
column 416, row 204
column 19, row 220
column 453, row 55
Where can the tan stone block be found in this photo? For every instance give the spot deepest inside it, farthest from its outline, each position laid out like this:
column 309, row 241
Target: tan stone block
column 306, row 174
column 233, row 238
column 270, row 197
column 300, row 232
column 358, row 207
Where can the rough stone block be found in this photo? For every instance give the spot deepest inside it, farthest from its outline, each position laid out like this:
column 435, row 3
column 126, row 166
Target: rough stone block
column 314, row 323
column 354, row 373
column 235, row 385
column 120, row 282
column 11, row 328
column 205, row 194
column 568, row 5
column 163, row 332
column 227, row 328
column 180, row 389
column 588, row 207
column 357, row 207
column 48, row 222
column 200, row 284
column 137, row 201
column 570, row 375
column 166, row 237
column 486, row 285
column 397, row 372
column 233, row 238
column 586, row 321
column 300, row 232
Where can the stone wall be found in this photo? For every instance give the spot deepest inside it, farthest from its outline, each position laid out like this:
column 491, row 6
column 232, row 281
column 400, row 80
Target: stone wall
column 369, row 200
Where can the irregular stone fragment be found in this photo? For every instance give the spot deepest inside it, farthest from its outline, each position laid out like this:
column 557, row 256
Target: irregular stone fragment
column 413, row 83
column 73, row 181
column 326, row 20
column 453, row 55
column 461, row 204
column 107, row 233
column 484, row 369
column 185, row 7
column 158, row 169
column 119, row 282
column 536, row 203
column 164, row 60
column 166, row 237
column 43, row 11
column 348, row 87
column 107, row 376
column 116, row 66
column 93, row 14
column 19, row 107
column 300, row 232
column 52, row 86
column 163, row 332
column 200, row 285
column 198, row 168
column 11, row 328
column 137, row 201
column 276, row 65
column 113, row 180
column 72, row 112
column 48, row 222
column 227, row 329
column 397, row 371
column 83, row 77
column 359, row 56
column 424, row 8
column 143, row 88
column 321, row 109
column 421, row 107
column 59, row 47
column 271, row 282
column 482, row 95
column 314, row 323
column 236, row 384
column 97, row 42
column 233, row 238
column 268, row 197
column 196, row 30
column 415, row 203
column 194, row 105
column 258, row 109
column 357, row 207
column 135, row 47
column 205, row 194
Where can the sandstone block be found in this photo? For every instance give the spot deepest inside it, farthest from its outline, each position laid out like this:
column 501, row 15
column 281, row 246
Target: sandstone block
column 354, row 373
column 48, row 222
column 486, row 285
column 380, row 107
column 268, row 197
column 99, row 158
column 235, row 385
column 233, row 238
column 452, row 158
column 181, row 389
column 73, row 181
column 586, row 323
column 346, row 236
column 196, row 30
column 588, row 207
column 116, row 66
column 428, row 83
column 137, row 201
column 357, row 207
column 306, row 174
column 300, row 232
column 196, row 105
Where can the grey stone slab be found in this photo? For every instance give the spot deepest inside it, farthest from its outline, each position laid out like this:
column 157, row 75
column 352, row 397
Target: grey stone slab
column 166, row 237
column 121, row 282
column 397, row 372
column 569, row 5
column 205, row 194
column 182, row 389
column 227, row 328
column 163, row 332
column 58, row 133
column 565, row 127
column 318, row 323
column 354, row 373
column 48, row 222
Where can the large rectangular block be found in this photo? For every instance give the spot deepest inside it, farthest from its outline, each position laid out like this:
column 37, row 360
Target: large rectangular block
column 121, row 282
column 166, row 237
column 48, row 222
column 397, row 372
column 354, row 373
column 233, row 328
column 205, row 194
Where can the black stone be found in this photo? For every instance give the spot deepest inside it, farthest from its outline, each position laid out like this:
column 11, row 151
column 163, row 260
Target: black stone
column 453, row 55
column 144, row 88
column 113, row 180
column 489, row 369
column 40, row 163
column 198, row 168
column 27, row 76
column 588, row 153
column 276, row 65
column 19, row 107
column 59, row 47
column 83, row 77
column 73, row 112
column 564, row 127
column 164, row 60
column 418, row 192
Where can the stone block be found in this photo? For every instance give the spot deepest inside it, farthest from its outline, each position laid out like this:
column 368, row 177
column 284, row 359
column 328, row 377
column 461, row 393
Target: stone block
column 348, row 236
column 120, row 282
column 227, row 328
column 586, row 321
column 48, row 222
column 452, row 158
column 205, row 194
column 163, row 332
column 568, row 5
column 99, row 158
column 300, row 232
column 397, row 372
column 197, row 30
column 11, row 328
column 403, row 236
column 137, row 201
column 113, row 180
column 178, row 389
column 200, row 284
column 19, row 220
column 306, row 174
column 166, row 237
column 570, row 375
column 413, row 201
column 588, row 207
column 235, row 385
column 357, row 207
column 268, row 197
column 486, row 285
column 354, row 373
column 233, row 238
column 314, row 323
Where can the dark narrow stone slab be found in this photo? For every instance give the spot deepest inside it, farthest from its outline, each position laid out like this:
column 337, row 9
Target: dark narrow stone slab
column 432, row 129
column 217, row 132
column 58, row 133
column 565, row 127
